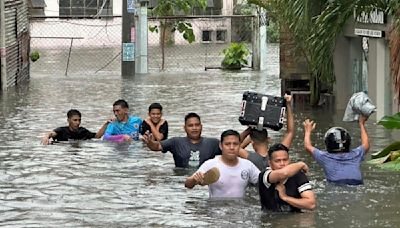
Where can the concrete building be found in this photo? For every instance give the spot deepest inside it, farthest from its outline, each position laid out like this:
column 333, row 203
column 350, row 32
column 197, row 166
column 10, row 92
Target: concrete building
column 362, row 62
column 218, row 32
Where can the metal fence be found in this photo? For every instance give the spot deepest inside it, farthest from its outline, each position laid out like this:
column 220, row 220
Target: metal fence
column 93, row 46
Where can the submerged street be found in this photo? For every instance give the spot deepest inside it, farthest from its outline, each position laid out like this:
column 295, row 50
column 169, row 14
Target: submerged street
column 102, row 184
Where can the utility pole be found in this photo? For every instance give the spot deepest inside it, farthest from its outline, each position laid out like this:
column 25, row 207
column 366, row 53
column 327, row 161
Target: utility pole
column 141, row 41
column 128, row 38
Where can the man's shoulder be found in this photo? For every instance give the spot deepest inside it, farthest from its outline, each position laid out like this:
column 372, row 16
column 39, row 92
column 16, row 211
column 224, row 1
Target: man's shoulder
column 299, row 174
column 176, row 140
column 317, row 150
column 299, row 178
column 245, row 161
column 135, row 119
column 214, row 161
column 252, row 155
column 82, row 129
column 210, row 140
column 266, row 171
column 61, row 129
column 179, row 138
column 318, row 153
column 358, row 149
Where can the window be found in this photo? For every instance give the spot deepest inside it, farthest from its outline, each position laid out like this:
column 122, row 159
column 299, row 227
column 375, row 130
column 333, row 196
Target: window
column 85, row 8
column 206, row 36
column 221, row 36
column 214, row 7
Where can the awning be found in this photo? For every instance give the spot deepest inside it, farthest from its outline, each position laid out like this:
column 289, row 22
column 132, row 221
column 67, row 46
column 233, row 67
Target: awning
column 38, row 3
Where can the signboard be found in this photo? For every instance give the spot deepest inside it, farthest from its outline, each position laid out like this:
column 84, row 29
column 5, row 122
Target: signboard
column 369, row 32
column 128, row 52
column 131, row 6
column 374, row 17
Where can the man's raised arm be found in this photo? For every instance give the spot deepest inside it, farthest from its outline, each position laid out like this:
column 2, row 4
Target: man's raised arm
column 288, row 138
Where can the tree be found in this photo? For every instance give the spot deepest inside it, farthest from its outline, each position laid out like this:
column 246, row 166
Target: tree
column 170, row 8
column 297, row 17
column 315, row 26
column 394, row 43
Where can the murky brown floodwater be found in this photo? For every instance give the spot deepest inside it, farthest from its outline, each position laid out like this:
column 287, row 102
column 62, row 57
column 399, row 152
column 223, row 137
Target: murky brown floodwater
column 101, row 184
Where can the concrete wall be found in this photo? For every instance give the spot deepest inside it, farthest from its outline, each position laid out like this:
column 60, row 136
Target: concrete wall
column 347, row 50
column 379, row 80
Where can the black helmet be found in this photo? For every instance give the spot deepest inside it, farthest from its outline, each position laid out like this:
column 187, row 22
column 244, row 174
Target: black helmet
column 337, row 139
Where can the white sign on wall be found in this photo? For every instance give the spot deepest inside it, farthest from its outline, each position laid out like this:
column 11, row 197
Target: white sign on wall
column 131, row 6
column 368, row 32
column 128, row 52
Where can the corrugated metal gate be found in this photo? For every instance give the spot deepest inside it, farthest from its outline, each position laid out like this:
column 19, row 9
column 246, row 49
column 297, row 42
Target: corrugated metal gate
column 14, row 26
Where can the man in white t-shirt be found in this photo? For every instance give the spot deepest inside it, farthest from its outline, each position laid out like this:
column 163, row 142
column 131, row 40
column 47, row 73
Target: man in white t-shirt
column 235, row 173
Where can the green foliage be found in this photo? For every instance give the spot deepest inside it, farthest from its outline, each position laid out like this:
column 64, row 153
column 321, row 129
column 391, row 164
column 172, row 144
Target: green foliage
column 382, row 153
column 34, row 56
column 391, row 161
column 389, row 157
column 175, row 7
column 171, row 8
column 185, row 28
column 243, row 9
column 393, row 9
column 273, row 29
column 315, row 25
column 392, row 165
column 187, row 31
column 235, row 56
column 273, row 32
column 153, row 28
column 297, row 18
column 391, row 122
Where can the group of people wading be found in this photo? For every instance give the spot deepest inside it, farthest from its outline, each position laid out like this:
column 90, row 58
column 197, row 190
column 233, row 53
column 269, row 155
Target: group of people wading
column 225, row 165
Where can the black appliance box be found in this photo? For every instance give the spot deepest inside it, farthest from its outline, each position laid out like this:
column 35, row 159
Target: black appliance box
column 262, row 111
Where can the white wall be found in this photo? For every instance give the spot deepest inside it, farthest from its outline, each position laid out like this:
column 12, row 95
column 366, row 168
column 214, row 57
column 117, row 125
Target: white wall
column 52, row 7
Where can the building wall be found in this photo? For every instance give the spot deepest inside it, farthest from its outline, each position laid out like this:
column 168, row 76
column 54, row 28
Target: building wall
column 15, row 42
column 379, row 82
column 346, row 52
column 212, row 25
column 52, row 8
column 348, row 62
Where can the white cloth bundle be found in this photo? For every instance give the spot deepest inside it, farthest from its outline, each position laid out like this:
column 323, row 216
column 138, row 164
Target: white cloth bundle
column 358, row 104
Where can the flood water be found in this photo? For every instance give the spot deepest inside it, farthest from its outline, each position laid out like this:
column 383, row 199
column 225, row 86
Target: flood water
column 102, row 184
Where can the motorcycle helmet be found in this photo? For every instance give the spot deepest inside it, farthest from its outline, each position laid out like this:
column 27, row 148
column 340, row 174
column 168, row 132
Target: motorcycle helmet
column 337, row 139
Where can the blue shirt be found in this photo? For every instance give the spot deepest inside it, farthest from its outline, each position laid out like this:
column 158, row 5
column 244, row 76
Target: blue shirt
column 342, row 168
column 131, row 128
